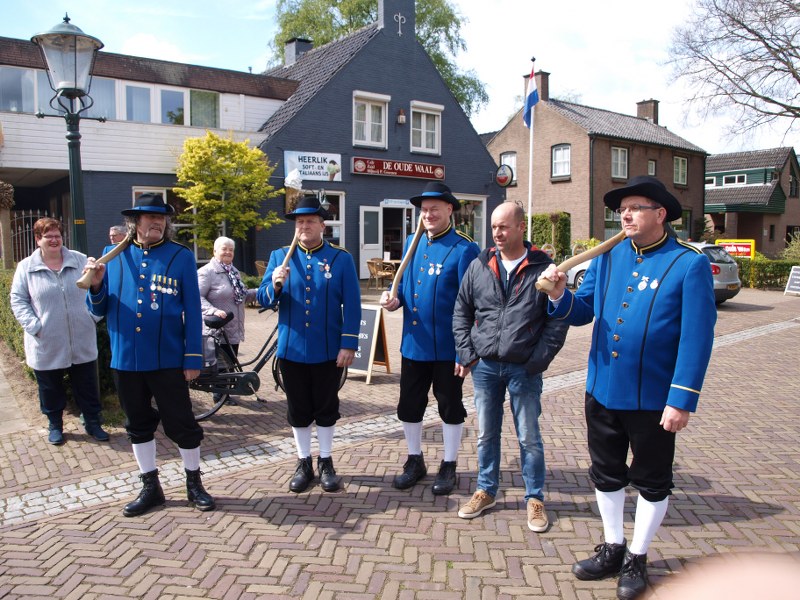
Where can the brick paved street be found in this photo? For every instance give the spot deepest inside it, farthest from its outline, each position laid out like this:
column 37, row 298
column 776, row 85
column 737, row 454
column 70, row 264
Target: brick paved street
column 737, row 479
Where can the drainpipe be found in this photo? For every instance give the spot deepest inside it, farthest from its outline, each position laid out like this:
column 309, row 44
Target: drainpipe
column 591, row 187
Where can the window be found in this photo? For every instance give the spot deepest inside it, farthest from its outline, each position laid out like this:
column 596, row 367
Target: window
column 510, row 159
column 204, row 108
column 104, row 94
column 137, row 104
column 619, row 163
column 793, row 187
column 651, row 168
column 172, row 108
column 561, row 161
column 680, row 166
column 426, row 121
column 470, row 220
column 334, row 227
column 369, row 119
column 16, row 90
column 734, row 179
column 44, row 94
column 772, row 233
column 682, row 225
column 711, row 182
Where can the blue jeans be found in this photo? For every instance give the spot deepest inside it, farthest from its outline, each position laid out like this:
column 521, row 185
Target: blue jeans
column 490, row 380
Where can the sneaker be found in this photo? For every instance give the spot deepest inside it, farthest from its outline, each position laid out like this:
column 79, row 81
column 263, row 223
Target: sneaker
column 479, row 502
column 607, row 561
column 632, row 577
column 537, row 517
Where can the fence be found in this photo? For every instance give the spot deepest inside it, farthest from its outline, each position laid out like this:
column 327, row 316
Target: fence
column 23, row 241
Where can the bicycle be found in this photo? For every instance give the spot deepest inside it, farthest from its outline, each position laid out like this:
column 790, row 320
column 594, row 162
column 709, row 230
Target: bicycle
column 224, row 375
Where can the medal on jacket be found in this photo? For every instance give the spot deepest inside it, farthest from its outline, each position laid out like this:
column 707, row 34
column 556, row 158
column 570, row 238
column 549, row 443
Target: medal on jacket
column 153, row 303
column 643, row 283
column 153, row 283
column 325, row 268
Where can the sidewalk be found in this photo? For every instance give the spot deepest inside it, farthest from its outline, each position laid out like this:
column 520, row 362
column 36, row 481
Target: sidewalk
column 737, row 489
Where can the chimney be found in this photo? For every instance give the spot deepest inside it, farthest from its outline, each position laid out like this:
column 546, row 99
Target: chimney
column 294, row 49
column 398, row 17
column 543, row 84
column 648, row 109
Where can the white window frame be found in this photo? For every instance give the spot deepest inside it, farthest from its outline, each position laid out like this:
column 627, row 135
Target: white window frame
column 559, row 161
column 651, row 168
column 510, row 159
column 731, row 180
column 371, row 99
column 123, row 101
column 340, row 221
column 711, row 182
column 186, row 103
column 680, row 170
column 619, row 162
column 429, row 113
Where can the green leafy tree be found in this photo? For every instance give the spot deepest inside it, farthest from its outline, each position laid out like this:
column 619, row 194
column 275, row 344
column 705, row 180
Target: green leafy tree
column 224, row 183
column 438, row 27
column 792, row 250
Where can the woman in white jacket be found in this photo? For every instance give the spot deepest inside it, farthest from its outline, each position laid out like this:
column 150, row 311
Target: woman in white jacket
column 222, row 291
column 60, row 334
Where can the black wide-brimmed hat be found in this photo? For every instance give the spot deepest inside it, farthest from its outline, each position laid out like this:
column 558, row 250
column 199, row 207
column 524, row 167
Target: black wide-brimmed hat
column 308, row 205
column 149, row 203
column 649, row 187
column 436, row 190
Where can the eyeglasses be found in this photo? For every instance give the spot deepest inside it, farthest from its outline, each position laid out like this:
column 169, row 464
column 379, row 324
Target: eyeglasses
column 635, row 208
column 52, row 237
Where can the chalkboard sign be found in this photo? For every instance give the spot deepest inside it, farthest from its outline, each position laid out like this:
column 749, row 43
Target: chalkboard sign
column 372, row 348
column 793, row 285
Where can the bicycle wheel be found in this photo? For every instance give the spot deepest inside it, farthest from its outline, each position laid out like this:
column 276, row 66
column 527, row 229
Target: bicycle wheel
column 276, row 375
column 204, row 403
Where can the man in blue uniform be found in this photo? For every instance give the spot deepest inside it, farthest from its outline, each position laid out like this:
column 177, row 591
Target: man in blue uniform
column 428, row 294
column 652, row 300
column 151, row 301
column 318, row 323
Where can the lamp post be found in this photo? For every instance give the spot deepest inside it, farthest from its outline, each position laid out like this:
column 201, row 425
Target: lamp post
column 69, row 55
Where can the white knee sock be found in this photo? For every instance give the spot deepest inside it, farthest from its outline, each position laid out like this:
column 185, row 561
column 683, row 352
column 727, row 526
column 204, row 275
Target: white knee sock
column 648, row 519
column 612, row 511
column 191, row 458
column 413, row 433
column 325, row 441
column 145, row 456
column 302, row 439
column 452, row 441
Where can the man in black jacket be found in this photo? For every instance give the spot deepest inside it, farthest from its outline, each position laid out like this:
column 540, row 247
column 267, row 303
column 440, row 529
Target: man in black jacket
column 503, row 336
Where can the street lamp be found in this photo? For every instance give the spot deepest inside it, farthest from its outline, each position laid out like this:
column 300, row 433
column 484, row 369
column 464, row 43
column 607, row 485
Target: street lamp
column 69, row 55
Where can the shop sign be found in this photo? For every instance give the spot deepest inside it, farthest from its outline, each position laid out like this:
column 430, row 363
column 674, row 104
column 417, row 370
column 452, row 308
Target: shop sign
column 396, row 168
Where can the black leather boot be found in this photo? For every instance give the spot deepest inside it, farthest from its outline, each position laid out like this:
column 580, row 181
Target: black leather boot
column 196, row 493
column 632, row 577
column 328, row 479
column 413, row 471
column 445, row 479
column 303, row 475
column 607, row 561
column 150, row 496
column 94, row 429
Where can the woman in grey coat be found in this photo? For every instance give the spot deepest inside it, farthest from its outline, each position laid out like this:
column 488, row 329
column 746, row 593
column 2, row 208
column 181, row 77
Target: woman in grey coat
column 60, row 336
column 222, row 291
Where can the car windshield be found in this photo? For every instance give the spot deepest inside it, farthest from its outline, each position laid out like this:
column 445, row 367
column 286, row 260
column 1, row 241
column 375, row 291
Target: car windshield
column 718, row 255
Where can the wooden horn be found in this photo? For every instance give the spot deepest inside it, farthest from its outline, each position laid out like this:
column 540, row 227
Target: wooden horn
column 545, row 285
column 412, row 248
column 279, row 282
column 85, row 281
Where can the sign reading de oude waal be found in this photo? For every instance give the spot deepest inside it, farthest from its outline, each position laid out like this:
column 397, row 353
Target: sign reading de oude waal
column 313, row 166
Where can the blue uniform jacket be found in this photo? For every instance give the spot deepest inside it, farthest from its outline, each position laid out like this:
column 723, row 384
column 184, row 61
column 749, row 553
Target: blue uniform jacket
column 151, row 302
column 428, row 291
column 319, row 308
column 654, row 318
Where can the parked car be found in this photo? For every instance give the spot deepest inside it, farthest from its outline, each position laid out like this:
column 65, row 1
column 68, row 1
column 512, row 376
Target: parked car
column 724, row 271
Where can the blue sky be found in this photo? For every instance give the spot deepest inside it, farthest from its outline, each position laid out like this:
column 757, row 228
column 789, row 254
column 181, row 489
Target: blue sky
column 605, row 54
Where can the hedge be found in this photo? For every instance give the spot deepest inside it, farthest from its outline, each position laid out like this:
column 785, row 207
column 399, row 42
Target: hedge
column 763, row 273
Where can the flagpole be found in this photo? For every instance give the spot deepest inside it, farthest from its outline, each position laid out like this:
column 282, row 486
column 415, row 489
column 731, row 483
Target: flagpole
column 531, row 98
column 530, row 177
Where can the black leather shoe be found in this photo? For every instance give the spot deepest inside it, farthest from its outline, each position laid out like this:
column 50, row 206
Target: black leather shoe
column 413, row 471
column 607, row 561
column 632, row 577
column 150, row 496
column 327, row 475
column 303, row 475
column 196, row 493
column 445, row 479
